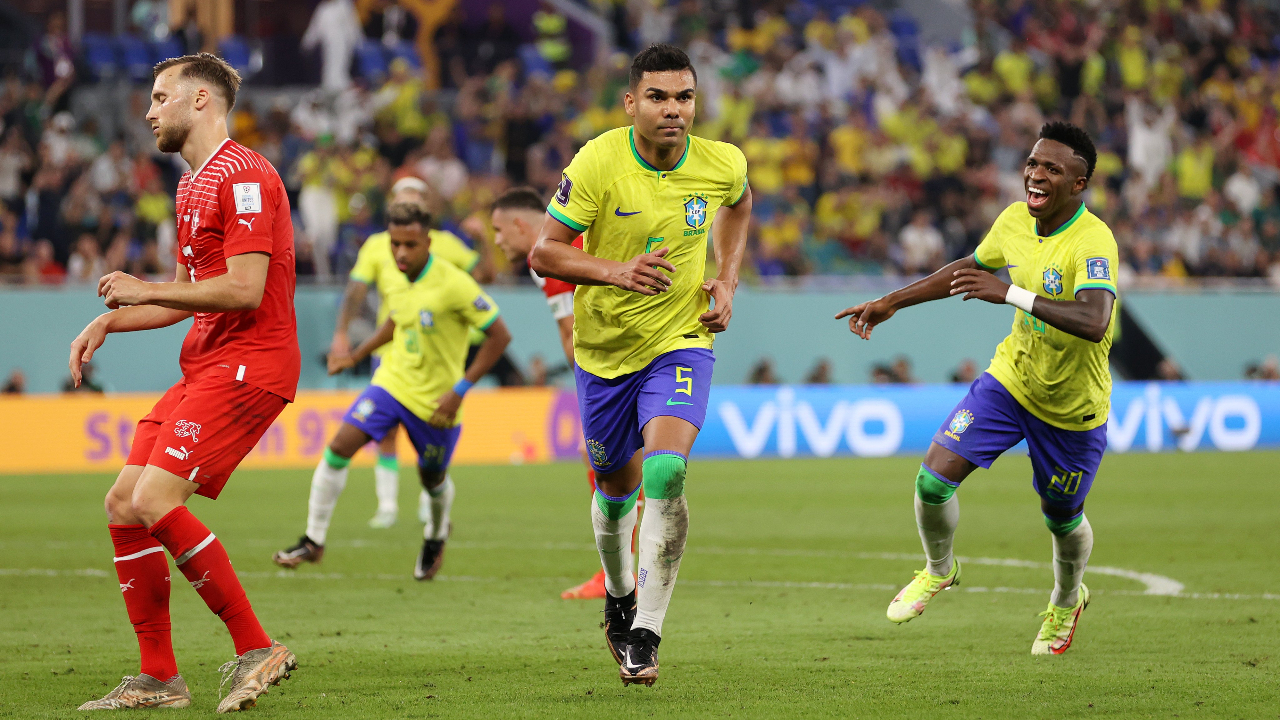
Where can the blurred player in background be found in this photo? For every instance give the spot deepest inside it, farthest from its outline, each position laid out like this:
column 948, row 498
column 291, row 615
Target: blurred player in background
column 646, row 196
column 420, row 384
column 376, row 267
column 517, row 217
column 1049, row 382
column 240, row 364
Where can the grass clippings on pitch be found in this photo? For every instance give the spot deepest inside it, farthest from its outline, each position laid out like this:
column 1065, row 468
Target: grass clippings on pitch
column 779, row 611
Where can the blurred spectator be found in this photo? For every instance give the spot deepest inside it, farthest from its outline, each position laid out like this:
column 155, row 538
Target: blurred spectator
column 902, row 370
column 882, row 374
column 88, row 383
column 16, row 384
column 762, row 373
column 1268, row 369
column 966, row 372
column 335, row 30
column 921, row 245
column 86, row 264
column 820, row 374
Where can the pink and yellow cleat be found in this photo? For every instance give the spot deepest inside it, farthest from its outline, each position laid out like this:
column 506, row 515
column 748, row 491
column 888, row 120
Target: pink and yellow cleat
column 912, row 599
column 1059, row 626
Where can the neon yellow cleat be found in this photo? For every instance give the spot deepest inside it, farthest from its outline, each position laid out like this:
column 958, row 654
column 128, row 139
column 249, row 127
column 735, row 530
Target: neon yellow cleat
column 912, row 599
column 1059, row 626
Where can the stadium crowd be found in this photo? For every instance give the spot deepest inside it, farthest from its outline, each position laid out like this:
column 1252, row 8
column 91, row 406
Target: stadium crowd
column 871, row 152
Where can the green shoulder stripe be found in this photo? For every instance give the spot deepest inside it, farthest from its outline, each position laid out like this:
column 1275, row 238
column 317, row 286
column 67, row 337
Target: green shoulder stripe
column 1096, row 286
column 983, row 265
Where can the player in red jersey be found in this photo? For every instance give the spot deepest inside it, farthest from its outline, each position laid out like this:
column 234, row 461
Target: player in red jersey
column 517, row 216
column 240, row 362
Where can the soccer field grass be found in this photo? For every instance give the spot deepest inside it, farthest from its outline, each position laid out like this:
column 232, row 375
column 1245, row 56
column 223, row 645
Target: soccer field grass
column 779, row 611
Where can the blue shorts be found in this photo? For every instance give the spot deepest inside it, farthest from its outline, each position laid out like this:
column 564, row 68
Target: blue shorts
column 375, row 413
column 989, row 421
column 615, row 411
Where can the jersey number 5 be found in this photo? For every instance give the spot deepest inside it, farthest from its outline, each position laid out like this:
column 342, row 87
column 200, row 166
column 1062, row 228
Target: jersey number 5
column 648, row 245
column 681, row 377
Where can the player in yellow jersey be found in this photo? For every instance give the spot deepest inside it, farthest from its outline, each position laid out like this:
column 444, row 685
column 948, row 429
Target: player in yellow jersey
column 376, row 267
column 648, row 197
column 1049, row 382
column 420, row 385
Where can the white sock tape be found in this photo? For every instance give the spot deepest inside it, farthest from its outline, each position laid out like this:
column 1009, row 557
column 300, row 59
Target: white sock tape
column 1020, row 298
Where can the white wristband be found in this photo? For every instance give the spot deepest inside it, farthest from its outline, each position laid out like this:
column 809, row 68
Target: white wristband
column 1020, row 298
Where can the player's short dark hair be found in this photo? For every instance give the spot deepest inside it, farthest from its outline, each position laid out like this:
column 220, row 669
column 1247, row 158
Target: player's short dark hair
column 208, row 67
column 1075, row 138
column 660, row 57
column 408, row 213
column 520, row 198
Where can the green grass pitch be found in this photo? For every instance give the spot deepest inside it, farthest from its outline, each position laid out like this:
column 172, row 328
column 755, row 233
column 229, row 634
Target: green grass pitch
column 779, row 611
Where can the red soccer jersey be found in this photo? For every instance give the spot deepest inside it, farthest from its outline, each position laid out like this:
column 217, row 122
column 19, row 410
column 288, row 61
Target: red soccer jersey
column 559, row 293
column 234, row 204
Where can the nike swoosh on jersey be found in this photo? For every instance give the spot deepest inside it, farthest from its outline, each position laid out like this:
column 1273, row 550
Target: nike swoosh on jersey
column 618, row 211
column 677, row 402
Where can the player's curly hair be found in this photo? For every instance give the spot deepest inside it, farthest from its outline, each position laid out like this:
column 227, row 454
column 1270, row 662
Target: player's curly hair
column 208, row 67
column 520, row 198
column 1075, row 138
column 408, row 213
column 660, row 57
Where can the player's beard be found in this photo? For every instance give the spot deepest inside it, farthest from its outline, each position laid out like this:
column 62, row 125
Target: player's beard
column 172, row 137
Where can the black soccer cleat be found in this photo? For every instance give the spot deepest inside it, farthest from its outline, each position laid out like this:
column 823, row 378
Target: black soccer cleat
column 619, row 613
column 304, row 551
column 429, row 560
column 640, row 661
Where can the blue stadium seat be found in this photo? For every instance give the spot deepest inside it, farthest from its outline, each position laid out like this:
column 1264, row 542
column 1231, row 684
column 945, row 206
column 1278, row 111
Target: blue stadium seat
column 406, row 51
column 901, row 24
column 235, row 50
column 135, row 57
column 371, row 60
column 170, row 47
column 100, row 55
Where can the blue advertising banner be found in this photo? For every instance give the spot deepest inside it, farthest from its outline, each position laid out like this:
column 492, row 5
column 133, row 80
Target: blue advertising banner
column 879, row 420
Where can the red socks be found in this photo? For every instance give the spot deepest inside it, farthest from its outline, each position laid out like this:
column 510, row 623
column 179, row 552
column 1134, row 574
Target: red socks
column 204, row 562
column 144, row 583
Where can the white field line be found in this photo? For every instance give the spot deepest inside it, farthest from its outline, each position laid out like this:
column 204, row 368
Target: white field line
column 758, row 584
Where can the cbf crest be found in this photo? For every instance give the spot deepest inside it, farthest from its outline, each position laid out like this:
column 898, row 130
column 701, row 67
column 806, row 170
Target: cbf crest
column 695, row 212
column 427, row 319
column 1053, row 281
column 599, row 455
column 363, row 409
column 961, row 422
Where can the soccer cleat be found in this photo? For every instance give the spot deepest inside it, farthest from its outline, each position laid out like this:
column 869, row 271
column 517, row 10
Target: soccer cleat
column 592, row 589
column 619, row 613
column 429, row 560
column 640, row 661
column 304, row 551
column 383, row 519
column 1059, row 626
column 252, row 674
column 144, row 691
column 912, row 599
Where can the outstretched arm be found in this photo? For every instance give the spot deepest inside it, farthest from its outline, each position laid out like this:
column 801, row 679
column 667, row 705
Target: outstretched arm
column 496, row 339
column 555, row 256
column 239, row 288
column 339, row 361
column 1087, row 316
column 729, row 237
column 125, row 319
column 864, row 317
column 352, row 298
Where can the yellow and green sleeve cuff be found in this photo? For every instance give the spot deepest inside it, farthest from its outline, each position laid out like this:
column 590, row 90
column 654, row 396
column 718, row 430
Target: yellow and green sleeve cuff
column 570, row 222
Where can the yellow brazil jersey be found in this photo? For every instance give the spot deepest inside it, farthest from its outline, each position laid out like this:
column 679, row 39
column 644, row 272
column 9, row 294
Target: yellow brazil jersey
column 1060, row 378
column 375, row 265
column 433, row 315
column 627, row 207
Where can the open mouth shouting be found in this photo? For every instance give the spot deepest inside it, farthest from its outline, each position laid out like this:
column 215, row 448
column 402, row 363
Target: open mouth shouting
column 1037, row 198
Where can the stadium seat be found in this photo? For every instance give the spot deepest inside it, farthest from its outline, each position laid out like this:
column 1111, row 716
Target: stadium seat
column 371, row 61
column 235, row 50
column 135, row 57
column 170, row 47
column 534, row 63
column 100, row 55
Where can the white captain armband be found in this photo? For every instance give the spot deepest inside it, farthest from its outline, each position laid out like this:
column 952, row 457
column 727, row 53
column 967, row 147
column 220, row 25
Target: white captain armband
column 561, row 305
